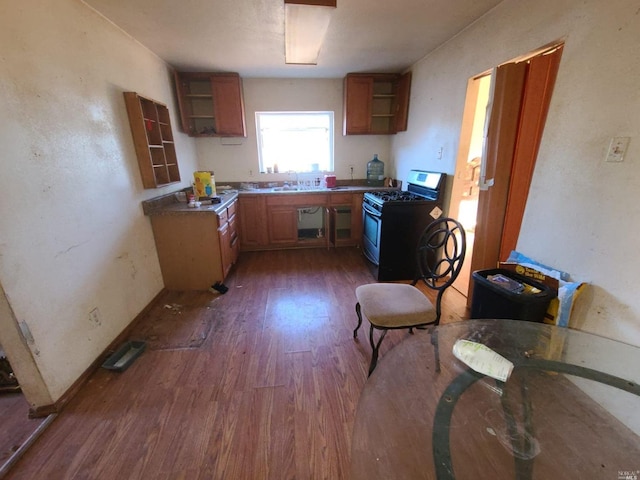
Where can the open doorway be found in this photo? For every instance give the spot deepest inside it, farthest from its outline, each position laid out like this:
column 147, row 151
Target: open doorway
column 507, row 109
column 18, row 405
column 465, row 192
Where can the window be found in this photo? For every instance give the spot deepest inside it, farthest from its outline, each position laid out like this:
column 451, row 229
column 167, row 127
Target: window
column 295, row 141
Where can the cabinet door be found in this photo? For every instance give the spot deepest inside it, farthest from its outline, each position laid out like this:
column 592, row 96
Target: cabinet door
column 402, row 102
column 228, row 105
column 358, row 94
column 283, row 225
column 189, row 250
column 356, row 218
column 252, row 212
column 233, row 232
column 345, row 219
column 225, row 248
column 235, row 249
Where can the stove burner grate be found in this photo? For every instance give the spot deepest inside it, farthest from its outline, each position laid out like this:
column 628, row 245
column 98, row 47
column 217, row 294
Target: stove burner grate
column 398, row 196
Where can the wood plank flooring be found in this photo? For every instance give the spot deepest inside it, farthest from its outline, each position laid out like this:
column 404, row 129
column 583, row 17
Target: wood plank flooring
column 259, row 383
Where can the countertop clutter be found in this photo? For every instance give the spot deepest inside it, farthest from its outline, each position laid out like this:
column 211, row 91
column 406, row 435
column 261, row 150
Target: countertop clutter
column 170, row 204
column 291, row 189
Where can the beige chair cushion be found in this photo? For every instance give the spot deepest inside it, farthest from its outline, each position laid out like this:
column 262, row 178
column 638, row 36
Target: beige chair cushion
column 392, row 305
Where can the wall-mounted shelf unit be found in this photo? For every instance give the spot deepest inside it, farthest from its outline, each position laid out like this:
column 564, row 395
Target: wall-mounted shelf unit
column 153, row 140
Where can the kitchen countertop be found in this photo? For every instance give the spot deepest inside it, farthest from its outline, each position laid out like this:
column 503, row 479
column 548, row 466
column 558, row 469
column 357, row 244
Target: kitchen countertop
column 169, row 205
column 345, row 188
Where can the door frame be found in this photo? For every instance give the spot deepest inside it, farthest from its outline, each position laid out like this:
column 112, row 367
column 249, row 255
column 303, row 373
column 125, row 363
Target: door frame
column 21, row 358
column 519, row 103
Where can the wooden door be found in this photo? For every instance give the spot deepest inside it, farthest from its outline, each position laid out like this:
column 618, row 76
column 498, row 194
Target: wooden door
column 499, row 146
column 521, row 93
column 535, row 105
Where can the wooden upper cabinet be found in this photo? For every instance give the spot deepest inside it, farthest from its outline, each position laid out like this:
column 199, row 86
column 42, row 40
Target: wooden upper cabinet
column 376, row 103
column 211, row 104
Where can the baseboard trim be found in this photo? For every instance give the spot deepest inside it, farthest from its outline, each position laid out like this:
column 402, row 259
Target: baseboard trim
column 57, row 406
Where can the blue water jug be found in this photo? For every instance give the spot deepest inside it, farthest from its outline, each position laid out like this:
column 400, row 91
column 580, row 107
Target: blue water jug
column 375, row 172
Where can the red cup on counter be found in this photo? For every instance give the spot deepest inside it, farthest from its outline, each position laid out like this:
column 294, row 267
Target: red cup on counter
column 330, row 181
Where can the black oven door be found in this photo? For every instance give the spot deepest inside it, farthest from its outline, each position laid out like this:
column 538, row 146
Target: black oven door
column 371, row 233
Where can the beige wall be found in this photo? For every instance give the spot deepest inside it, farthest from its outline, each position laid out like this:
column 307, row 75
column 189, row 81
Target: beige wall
column 72, row 233
column 233, row 162
column 582, row 215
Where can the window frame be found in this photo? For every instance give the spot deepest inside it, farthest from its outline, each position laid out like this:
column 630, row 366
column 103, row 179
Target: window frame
column 330, row 162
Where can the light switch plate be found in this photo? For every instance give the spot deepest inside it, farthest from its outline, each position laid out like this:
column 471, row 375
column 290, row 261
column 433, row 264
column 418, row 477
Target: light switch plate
column 617, row 149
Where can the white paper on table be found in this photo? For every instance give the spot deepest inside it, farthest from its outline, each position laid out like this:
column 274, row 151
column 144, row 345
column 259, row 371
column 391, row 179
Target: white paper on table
column 482, row 359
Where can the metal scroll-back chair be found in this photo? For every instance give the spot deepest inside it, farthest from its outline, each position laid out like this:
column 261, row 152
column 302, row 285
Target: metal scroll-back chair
column 389, row 306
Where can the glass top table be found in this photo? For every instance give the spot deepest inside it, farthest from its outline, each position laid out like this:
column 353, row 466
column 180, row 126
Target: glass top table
column 570, row 409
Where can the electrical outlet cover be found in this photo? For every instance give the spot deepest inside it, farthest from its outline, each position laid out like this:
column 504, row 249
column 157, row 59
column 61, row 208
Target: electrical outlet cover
column 617, row 149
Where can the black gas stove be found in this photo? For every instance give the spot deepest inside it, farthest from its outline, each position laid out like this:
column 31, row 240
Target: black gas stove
column 393, row 221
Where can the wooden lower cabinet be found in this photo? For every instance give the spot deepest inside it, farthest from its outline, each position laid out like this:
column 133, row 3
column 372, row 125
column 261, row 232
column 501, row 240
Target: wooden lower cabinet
column 271, row 221
column 196, row 250
column 345, row 219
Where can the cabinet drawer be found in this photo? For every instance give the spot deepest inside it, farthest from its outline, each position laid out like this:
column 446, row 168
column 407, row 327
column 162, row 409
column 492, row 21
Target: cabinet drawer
column 231, row 209
column 233, row 228
column 340, row 198
column 298, row 200
column 222, row 218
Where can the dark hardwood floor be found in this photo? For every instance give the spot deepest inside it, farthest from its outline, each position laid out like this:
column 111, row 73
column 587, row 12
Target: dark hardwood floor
column 259, row 383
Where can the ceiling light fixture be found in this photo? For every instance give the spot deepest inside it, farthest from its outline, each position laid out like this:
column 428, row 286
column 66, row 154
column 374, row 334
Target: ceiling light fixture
column 305, row 25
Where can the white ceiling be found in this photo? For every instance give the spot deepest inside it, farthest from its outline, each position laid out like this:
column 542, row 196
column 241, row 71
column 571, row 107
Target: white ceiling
column 247, row 36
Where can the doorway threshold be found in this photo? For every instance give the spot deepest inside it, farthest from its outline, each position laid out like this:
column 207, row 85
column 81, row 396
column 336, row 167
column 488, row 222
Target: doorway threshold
column 6, row 466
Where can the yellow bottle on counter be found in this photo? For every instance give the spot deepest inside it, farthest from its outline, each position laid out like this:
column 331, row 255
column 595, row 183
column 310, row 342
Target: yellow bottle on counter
column 204, row 185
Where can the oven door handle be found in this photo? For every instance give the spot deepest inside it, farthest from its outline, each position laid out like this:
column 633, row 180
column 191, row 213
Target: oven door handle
column 371, row 211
